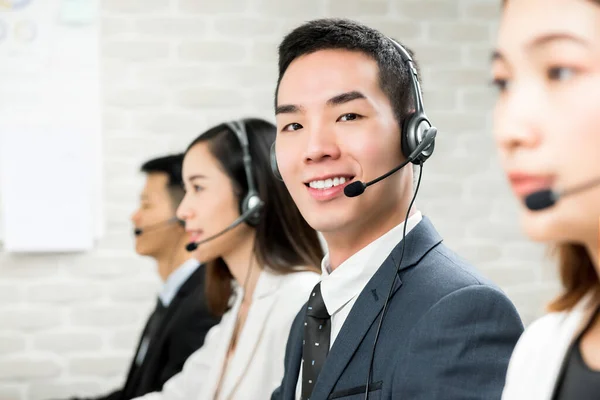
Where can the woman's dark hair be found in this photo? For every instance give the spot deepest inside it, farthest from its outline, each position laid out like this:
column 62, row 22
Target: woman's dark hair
column 578, row 277
column 576, row 269
column 284, row 240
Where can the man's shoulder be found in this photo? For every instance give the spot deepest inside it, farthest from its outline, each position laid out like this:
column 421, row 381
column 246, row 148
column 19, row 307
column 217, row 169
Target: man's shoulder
column 455, row 268
column 442, row 272
column 427, row 256
column 443, row 267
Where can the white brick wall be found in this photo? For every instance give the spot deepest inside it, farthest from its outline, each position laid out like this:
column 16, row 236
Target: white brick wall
column 171, row 68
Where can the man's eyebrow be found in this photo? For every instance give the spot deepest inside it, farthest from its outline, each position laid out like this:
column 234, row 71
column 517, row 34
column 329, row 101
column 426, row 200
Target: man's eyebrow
column 334, row 101
column 345, row 98
column 496, row 56
column 288, row 109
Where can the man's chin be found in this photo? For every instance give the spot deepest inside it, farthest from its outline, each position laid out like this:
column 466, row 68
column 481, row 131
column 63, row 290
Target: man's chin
column 327, row 226
column 141, row 251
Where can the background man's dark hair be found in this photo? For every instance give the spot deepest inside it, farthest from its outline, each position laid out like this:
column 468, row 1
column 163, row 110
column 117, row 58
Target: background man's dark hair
column 171, row 166
column 344, row 34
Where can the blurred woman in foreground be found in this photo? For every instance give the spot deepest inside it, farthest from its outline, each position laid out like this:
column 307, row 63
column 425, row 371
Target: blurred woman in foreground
column 547, row 127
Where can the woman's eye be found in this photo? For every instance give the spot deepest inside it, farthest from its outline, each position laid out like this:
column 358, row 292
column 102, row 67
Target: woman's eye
column 198, row 188
column 294, row 126
column 560, row 73
column 349, row 117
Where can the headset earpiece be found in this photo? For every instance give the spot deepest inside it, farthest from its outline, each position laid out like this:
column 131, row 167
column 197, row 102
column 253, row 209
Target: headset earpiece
column 251, row 199
column 417, row 123
column 274, row 166
column 413, row 132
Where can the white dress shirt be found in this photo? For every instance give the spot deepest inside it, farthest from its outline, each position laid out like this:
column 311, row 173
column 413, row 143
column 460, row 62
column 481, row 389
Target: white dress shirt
column 340, row 288
column 256, row 367
column 174, row 281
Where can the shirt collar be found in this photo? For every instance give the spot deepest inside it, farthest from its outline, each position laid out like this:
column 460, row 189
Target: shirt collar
column 349, row 279
column 175, row 280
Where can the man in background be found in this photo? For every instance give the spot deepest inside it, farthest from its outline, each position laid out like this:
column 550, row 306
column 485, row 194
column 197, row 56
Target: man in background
column 180, row 321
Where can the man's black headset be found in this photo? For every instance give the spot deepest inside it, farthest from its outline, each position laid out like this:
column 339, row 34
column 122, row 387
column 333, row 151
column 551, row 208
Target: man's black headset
column 158, row 225
column 251, row 204
column 418, row 135
column 176, row 176
column 418, row 142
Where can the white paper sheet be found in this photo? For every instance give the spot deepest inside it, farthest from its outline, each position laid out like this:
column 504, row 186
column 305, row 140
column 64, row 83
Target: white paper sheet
column 50, row 129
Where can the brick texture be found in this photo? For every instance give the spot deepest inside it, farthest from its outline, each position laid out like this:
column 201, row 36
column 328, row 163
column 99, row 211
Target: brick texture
column 170, row 68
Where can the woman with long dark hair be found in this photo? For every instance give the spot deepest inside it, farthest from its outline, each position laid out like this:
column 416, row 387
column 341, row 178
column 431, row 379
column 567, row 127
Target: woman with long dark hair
column 547, row 117
column 261, row 259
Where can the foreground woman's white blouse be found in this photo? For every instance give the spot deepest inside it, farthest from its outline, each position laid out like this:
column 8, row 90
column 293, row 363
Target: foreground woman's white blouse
column 538, row 357
column 256, row 367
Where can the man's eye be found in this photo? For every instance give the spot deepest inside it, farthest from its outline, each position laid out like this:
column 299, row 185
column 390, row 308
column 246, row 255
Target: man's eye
column 501, row 85
column 294, row 126
column 349, row 117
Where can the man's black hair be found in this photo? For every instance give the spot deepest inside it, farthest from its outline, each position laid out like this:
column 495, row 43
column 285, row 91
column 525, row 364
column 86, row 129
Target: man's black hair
column 170, row 165
column 344, row 34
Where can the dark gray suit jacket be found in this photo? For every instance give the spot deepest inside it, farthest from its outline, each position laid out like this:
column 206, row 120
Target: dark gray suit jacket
column 448, row 333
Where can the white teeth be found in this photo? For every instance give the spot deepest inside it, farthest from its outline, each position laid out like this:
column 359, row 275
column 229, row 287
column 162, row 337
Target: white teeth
column 327, row 183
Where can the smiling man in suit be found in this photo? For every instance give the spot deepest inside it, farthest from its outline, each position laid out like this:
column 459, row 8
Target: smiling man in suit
column 344, row 101
column 181, row 319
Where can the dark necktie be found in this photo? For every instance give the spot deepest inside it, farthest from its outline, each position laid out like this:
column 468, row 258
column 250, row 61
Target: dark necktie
column 317, row 332
column 154, row 323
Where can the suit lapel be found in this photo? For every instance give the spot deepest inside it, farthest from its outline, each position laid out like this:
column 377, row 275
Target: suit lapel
column 292, row 371
column 185, row 290
column 369, row 304
column 227, row 325
column 133, row 374
column 252, row 332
